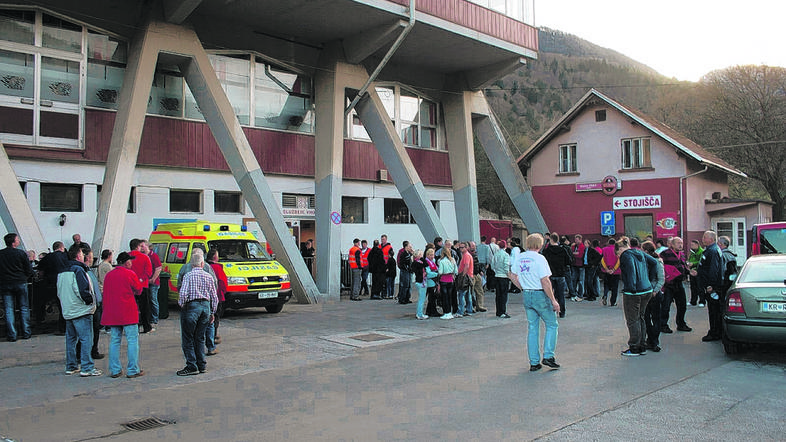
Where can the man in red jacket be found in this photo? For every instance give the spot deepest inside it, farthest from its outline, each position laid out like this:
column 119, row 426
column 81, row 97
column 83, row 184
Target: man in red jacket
column 121, row 315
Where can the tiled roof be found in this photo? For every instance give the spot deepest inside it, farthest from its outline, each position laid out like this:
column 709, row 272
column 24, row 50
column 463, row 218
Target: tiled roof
column 681, row 142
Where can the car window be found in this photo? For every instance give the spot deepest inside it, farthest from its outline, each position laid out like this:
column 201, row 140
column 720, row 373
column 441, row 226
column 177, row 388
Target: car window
column 773, row 240
column 761, row 271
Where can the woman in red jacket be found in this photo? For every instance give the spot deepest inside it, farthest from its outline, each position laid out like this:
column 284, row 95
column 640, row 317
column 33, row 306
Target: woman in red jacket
column 121, row 315
column 211, row 332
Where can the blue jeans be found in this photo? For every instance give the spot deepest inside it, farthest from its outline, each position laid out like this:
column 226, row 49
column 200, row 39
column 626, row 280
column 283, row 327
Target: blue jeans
column 154, row 303
column 194, row 317
column 404, row 285
column 390, row 288
column 464, row 301
column 79, row 329
column 132, row 345
column 210, row 336
column 538, row 306
column 558, row 284
column 421, row 297
column 578, row 281
column 13, row 293
column 568, row 279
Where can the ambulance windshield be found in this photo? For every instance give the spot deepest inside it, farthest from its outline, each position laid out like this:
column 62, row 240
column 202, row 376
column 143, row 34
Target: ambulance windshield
column 236, row 250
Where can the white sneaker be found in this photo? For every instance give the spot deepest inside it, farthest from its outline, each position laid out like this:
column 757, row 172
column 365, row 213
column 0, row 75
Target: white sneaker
column 423, row 317
column 701, row 304
column 577, row 299
column 70, row 372
column 446, row 316
column 93, row 372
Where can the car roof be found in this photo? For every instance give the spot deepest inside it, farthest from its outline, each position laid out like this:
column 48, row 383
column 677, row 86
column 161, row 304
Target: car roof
column 776, row 257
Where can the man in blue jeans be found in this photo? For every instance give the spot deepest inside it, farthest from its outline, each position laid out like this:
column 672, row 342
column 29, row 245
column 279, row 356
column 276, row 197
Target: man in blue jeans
column 530, row 272
column 15, row 269
column 198, row 301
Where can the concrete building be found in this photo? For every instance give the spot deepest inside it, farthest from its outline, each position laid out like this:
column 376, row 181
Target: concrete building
column 605, row 169
column 325, row 120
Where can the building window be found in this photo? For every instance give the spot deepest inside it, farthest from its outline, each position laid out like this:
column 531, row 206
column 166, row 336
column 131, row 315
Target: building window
column 227, row 202
column 282, row 99
column 397, row 212
column 414, row 117
column 106, row 64
column 353, row 210
column 291, row 200
column 638, row 226
column 233, row 74
column 636, row 153
column 61, row 197
column 521, row 10
column 185, row 200
column 567, row 158
column 600, row 115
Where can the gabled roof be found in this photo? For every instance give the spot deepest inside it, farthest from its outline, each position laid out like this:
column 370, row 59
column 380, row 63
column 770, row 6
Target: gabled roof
column 679, row 141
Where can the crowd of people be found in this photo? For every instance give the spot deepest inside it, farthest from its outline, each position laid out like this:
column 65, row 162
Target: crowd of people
column 121, row 299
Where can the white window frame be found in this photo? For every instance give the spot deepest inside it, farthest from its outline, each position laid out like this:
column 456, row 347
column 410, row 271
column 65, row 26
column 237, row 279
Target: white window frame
column 568, row 155
column 636, row 153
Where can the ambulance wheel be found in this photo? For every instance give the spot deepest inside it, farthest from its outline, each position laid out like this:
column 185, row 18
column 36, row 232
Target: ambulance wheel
column 274, row 308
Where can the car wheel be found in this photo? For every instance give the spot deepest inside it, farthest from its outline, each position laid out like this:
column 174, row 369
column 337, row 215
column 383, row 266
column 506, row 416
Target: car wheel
column 274, row 308
column 730, row 347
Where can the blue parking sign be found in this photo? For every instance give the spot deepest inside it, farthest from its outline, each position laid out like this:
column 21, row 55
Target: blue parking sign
column 607, row 223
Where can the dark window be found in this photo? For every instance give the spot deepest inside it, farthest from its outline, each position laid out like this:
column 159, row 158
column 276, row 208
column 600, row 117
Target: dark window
column 227, row 202
column 600, row 115
column 185, row 201
column 353, row 210
column 61, row 197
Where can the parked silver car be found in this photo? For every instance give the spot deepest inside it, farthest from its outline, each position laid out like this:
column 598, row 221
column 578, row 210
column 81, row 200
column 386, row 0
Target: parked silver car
column 755, row 309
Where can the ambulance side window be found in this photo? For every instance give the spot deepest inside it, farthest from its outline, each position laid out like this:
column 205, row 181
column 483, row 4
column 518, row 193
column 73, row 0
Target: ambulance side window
column 160, row 249
column 200, row 245
column 177, row 253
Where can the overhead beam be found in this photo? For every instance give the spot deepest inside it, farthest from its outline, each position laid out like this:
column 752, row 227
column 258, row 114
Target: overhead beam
column 483, row 77
column 360, row 46
column 177, row 11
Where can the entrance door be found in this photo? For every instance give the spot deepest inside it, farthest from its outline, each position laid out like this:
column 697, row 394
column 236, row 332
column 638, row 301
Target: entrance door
column 735, row 229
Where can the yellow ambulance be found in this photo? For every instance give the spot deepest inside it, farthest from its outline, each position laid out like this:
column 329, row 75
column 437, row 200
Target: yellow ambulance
column 255, row 279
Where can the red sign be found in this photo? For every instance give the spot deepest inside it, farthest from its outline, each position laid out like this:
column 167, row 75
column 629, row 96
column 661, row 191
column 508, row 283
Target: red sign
column 609, row 185
column 666, row 224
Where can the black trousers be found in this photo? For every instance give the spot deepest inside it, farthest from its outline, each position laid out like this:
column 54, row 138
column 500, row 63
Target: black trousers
column 143, row 302
column 431, row 307
column 715, row 314
column 653, row 319
column 673, row 291
column 377, row 284
column 446, row 289
column 501, row 286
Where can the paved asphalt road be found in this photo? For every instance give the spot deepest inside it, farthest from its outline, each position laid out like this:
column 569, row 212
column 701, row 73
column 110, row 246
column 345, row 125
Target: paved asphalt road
column 370, row 371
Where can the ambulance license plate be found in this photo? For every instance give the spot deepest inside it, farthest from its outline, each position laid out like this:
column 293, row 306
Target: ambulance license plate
column 267, row 295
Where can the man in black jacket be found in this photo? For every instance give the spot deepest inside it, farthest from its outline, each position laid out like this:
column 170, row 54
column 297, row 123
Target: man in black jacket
column 559, row 261
column 710, row 280
column 15, row 269
column 376, row 266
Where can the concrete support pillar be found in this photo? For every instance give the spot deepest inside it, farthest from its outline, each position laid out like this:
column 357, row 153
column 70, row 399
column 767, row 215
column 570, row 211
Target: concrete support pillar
column 183, row 47
column 493, row 141
column 126, row 136
column 378, row 125
column 329, row 164
column 14, row 210
column 458, row 126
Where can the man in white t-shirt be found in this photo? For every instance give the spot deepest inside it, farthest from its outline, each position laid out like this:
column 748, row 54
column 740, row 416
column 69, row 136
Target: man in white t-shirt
column 530, row 272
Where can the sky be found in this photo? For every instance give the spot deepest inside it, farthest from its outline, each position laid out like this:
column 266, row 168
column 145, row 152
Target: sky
column 684, row 39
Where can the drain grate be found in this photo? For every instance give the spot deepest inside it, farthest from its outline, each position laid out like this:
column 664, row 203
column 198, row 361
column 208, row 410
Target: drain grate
column 146, row 424
column 370, row 337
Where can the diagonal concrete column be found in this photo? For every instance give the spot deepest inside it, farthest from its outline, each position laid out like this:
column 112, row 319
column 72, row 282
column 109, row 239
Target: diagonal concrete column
column 126, row 136
column 377, row 123
column 493, row 141
column 183, row 46
column 15, row 212
column 458, row 126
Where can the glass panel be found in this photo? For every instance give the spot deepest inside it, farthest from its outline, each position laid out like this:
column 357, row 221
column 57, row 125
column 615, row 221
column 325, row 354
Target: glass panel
column 725, row 228
column 410, row 104
column 61, row 197
column 59, row 80
column 103, row 84
column 60, row 34
column 283, row 100
column 573, row 164
column 353, row 210
column 428, row 113
column 166, row 96
column 185, row 201
column 409, row 134
column 233, row 73
column 17, row 73
column 396, row 212
column 636, row 153
column 740, row 234
column 497, row 5
column 645, row 145
column 192, row 109
column 428, row 137
column 17, row 26
column 226, row 202
column 638, row 226
column 105, row 48
column 358, row 130
column 388, row 98
column 59, row 125
column 626, row 154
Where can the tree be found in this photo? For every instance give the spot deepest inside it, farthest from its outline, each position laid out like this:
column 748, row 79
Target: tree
column 743, row 121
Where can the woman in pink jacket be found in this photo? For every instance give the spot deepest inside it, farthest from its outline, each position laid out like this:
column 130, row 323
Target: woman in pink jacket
column 610, row 268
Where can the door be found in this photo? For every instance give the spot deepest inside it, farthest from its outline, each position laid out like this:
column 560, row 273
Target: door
column 735, row 229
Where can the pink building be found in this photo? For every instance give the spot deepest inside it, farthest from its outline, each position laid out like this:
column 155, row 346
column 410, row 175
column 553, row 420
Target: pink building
column 605, row 169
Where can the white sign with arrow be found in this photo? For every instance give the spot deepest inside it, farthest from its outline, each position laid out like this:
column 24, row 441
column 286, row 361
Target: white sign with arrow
column 636, row 202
